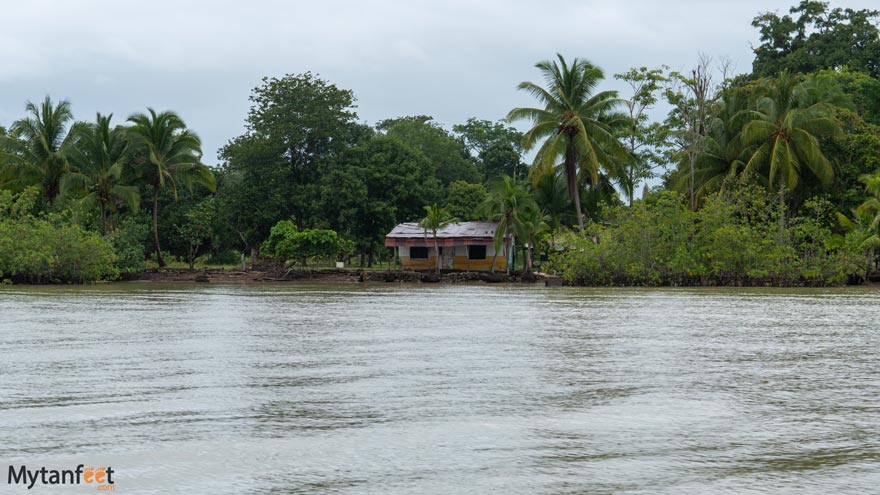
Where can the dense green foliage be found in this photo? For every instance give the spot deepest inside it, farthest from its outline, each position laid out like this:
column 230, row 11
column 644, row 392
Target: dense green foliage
column 128, row 242
column 463, row 200
column 48, row 249
column 448, row 155
column 496, row 146
column 35, row 151
column 287, row 243
column 732, row 240
column 815, row 37
column 297, row 127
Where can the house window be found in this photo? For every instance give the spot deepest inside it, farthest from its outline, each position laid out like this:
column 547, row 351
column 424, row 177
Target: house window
column 477, row 252
column 418, row 252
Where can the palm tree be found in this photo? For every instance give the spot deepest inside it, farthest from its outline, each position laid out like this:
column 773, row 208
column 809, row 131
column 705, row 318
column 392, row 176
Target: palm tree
column 169, row 155
column 575, row 124
column 596, row 194
column 861, row 236
column 872, row 204
column 98, row 158
column 723, row 155
column 785, row 124
column 552, row 197
column 863, row 231
column 436, row 219
column 37, row 148
column 507, row 198
column 530, row 224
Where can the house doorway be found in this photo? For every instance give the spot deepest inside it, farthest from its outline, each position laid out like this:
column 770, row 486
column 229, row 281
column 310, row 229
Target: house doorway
column 447, row 258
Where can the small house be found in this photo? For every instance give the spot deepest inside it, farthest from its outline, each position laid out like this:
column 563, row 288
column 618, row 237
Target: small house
column 462, row 246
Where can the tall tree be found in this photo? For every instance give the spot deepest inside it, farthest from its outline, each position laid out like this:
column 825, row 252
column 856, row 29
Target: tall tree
column 722, row 154
column 640, row 137
column 169, row 157
column 788, row 119
column 496, row 146
column 574, row 124
column 692, row 98
column 450, row 157
column 97, row 179
column 436, row 219
column 37, row 149
column 463, row 200
column 375, row 186
column 297, row 128
column 815, row 37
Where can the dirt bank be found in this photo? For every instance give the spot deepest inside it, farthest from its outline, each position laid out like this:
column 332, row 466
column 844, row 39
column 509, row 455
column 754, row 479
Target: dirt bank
column 330, row 276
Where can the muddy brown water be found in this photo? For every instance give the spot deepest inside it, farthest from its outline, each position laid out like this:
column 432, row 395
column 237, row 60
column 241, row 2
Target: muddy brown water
column 377, row 389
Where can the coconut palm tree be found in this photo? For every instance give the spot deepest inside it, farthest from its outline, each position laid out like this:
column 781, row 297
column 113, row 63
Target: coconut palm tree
column 872, row 204
column 436, row 219
column 98, row 158
column 861, row 236
column 723, row 155
column 37, row 147
column 575, row 125
column 530, row 224
column 507, row 198
column 785, row 124
column 552, row 197
column 168, row 155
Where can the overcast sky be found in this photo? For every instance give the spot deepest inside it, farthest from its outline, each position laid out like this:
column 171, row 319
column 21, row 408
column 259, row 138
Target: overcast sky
column 448, row 59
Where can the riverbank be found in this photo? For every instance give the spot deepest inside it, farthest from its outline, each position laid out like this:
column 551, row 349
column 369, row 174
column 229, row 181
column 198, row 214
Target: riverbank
column 455, row 277
column 336, row 276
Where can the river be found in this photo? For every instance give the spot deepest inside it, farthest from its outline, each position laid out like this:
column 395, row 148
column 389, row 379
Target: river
column 381, row 389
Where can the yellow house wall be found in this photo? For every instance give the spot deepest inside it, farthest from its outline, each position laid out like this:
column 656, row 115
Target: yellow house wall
column 460, row 263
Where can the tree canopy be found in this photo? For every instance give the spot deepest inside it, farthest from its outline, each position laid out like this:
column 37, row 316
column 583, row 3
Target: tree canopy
column 813, row 36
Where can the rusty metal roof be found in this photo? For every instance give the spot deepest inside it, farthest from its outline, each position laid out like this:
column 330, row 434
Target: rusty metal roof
column 464, row 229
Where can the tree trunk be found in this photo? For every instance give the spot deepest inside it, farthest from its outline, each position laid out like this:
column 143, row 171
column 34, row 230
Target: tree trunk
column 159, row 259
column 781, row 207
column 571, row 177
column 104, row 227
column 692, row 157
column 632, row 168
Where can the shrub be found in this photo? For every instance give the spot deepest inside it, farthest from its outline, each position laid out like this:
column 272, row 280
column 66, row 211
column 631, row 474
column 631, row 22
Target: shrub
column 735, row 239
column 286, row 242
column 128, row 242
column 50, row 250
